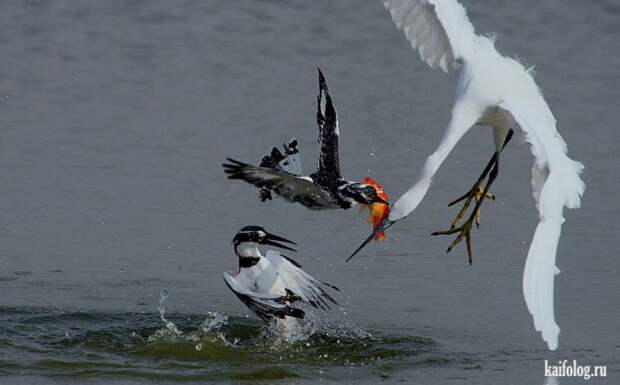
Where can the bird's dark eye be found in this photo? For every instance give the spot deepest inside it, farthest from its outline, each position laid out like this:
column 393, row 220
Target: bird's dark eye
column 369, row 191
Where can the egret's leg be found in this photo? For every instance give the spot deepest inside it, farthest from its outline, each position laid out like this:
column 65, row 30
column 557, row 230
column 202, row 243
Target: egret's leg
column 477, row 190
column 474, row 192
column 465, row 229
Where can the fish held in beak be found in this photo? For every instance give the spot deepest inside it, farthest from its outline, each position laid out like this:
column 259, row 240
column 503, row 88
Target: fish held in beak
column 378, row 211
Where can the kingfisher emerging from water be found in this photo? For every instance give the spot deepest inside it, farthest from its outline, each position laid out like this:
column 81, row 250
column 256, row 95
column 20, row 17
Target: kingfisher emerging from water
column 272, row 285
column 280, row 172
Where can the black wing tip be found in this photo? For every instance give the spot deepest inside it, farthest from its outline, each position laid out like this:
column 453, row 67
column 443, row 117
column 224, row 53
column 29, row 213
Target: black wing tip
column 234, row 169
column 322, row 81
column 236, row 162
column 291, row 260
column 330, row 285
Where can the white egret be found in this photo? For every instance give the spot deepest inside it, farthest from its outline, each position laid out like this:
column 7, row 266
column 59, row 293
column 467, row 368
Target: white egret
column 496, row 91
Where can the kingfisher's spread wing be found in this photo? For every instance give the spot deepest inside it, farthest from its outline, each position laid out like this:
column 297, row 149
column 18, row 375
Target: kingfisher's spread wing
column 327, row 120
column 287, row 159
column 439, row 29
column 265, row 306
column 290, row 187
column 301, row 285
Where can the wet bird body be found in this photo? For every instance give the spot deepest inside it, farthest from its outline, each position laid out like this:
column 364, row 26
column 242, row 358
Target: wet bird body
column 272, row 285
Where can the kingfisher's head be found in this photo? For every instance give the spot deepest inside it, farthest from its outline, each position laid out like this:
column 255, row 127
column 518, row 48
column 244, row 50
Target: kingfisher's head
column 246, row 241
column 362, row 193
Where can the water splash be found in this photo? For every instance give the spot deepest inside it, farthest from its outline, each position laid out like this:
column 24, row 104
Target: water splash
column 210, row 329
column 281, row 334
column 214, row 322
column 163, row 296
column 321, row 339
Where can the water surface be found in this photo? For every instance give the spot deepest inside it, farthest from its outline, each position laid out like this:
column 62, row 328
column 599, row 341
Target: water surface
column 117, row 115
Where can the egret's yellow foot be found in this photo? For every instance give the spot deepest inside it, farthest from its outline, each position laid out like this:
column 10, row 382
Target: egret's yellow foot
column 479, row 194
column 475, row 192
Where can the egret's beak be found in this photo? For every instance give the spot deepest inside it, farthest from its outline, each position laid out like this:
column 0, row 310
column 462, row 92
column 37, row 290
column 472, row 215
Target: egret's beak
column 385, row 223
column 274, row 240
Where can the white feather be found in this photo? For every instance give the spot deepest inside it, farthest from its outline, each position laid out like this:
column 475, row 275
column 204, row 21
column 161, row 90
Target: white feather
column 271, row 278
column 294, row 278
column 555, row 184
column 488, row 81
column 445, row 22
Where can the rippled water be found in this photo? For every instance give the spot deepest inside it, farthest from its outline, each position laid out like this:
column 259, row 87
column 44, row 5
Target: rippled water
column 115, row 347
column 117, row 115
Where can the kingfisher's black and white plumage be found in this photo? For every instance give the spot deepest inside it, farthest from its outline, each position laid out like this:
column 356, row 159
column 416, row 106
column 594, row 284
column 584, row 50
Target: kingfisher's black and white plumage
column 281, row 172
column 270, row 285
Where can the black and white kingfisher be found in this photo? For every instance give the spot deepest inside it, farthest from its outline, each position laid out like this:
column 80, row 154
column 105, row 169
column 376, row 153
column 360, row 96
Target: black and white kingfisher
column 324, row 189
column 271, row 284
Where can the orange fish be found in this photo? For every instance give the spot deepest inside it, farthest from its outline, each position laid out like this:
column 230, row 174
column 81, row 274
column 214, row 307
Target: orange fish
column 378, row 211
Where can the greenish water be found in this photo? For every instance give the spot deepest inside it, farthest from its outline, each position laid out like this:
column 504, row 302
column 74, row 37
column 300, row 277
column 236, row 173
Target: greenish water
column 109, row 347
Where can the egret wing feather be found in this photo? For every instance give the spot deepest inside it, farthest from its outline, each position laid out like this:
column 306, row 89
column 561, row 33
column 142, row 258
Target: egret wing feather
column 439, row 29
column 556, row 184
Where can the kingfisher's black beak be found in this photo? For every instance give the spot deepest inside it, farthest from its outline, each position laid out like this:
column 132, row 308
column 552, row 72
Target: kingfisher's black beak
column 385, row 223
column 274, row 240
column 378, row 199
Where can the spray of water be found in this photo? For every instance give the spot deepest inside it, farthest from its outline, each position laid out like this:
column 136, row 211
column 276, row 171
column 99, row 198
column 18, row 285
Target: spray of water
column 279, row 334
column 163, row 296
column 211, row 328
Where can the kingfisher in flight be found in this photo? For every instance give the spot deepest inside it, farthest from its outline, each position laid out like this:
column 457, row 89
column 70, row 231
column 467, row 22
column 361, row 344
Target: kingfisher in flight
column 280, row 171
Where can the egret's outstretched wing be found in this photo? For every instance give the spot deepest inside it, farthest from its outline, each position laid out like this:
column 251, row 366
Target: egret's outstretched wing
column 265, row 306
column 290, row 187
column 327, row 120
column 439, row 29
column 556, row 184
column 300, row 283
